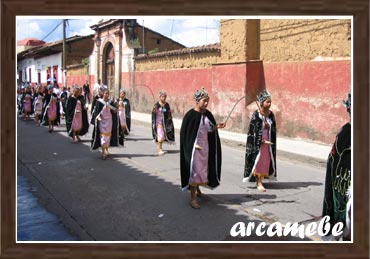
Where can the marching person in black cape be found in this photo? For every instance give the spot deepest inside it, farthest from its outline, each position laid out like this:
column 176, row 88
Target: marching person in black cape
column 127, row 106
column 200, row 148
column 63, row 99
column 38, row 99
column 163, row 129
column 27, row 103
column 76, row 115
column 260, row 154
column 51, row 109
column 338, row 176
column 86, row 89
column 124, row 112
column 100, row 92
column 107, row 131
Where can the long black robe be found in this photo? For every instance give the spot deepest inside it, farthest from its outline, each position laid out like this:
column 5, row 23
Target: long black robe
column 117, row 134
column 45, row 118
column 338, row 177
column 64, row 99
column 188, row 133
column 93, row 104
column 253, row 146
column 128, row 115
column 70, row 112
column 169, row 129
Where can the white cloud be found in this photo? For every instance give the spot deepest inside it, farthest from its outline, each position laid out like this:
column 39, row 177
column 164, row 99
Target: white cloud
column 81, row 27
column 27, row 29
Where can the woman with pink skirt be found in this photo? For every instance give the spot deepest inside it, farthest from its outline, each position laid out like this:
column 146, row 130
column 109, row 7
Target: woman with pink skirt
column 260, row 155
column 163, row 129
column 38, row 102
column 121, row 104
column 26, row 101
column 106, row 126
column 200, row 148
column 76, row 115
column 51, row 113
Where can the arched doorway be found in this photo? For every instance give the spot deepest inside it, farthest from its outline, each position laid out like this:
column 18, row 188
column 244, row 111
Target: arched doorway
column 108, row 67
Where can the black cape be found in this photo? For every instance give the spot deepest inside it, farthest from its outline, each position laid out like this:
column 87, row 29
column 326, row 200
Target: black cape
column 64, row 100
column 93, row 104
column 253, row 145
column 338, row 177
column 45, row 118
column 117, row 134
column 70, row 112
column 188, row 133
column 169, row 129
column 128, row 115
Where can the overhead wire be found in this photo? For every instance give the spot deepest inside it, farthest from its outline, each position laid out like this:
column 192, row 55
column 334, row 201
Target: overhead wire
column 52, row 30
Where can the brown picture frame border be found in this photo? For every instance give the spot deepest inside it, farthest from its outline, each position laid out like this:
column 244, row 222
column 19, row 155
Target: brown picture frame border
column 359, row 9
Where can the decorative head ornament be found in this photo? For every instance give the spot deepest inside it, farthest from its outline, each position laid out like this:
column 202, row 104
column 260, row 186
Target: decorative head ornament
column 347, row 103
column 50, row 87
column 103, row 87
column 200, row 94
column 75, row 87
column 263, row 96
column 122, row 91
column 162, row 93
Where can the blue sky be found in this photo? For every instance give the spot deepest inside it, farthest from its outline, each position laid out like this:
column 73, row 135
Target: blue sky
column 189, row 31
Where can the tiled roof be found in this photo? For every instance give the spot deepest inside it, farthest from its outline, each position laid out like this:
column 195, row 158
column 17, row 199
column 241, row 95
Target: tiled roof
column 30, row 42
column 49, row 48
column 205, row 48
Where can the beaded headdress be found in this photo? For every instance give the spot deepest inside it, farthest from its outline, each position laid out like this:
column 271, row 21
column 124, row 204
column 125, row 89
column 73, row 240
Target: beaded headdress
column 263, row 96
column 162, row 92
column 200, row 94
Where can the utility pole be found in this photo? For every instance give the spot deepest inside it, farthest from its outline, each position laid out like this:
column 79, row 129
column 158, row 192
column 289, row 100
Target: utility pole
column 143, row 38
column 64, row 54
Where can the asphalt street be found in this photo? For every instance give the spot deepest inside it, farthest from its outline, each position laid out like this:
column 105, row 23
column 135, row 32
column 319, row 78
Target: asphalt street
column 135, row 194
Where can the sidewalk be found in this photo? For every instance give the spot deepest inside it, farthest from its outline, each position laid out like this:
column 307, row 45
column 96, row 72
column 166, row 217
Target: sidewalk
column 294, row 146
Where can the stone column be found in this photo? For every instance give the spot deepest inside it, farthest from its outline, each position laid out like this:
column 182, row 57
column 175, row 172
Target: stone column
column 118, row 61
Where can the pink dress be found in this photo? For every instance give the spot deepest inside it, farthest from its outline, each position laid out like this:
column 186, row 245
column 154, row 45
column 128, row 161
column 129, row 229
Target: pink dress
column 105, row 126
column 159, row 124
column 27, row 104
column 77, row 118
column 52, row 110
column 122, row 113
column 38, row 105
column 263, row 164
column 199, row 172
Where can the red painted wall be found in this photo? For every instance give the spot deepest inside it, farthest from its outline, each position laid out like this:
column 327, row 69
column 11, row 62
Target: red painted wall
column 306, row 96
column 80, row 81
column 76, row 79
